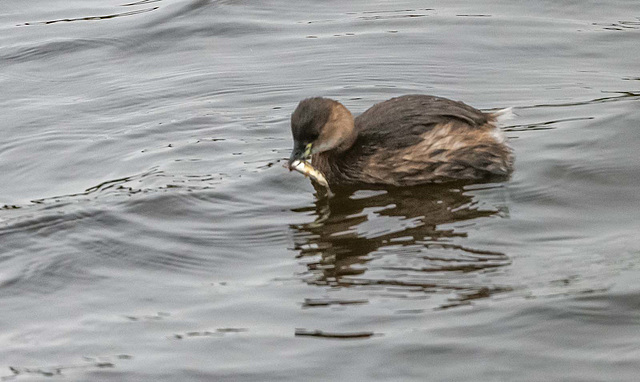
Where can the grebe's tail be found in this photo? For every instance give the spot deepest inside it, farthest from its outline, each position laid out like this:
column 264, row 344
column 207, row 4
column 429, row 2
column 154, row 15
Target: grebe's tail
column 500, row 118
column 503, row 115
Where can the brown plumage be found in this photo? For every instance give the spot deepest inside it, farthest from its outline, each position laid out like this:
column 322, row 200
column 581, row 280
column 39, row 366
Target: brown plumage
column 404, row 141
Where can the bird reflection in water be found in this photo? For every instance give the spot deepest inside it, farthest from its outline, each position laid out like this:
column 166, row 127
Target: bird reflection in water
column 399, row 239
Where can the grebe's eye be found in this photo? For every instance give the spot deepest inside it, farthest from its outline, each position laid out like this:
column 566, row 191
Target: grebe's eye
column 310, row 137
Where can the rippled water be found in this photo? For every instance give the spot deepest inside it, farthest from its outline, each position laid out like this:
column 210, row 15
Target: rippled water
column 148, row 230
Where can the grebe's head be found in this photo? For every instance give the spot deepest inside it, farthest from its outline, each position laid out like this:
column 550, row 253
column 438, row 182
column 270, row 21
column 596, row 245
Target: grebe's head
column 318, row 125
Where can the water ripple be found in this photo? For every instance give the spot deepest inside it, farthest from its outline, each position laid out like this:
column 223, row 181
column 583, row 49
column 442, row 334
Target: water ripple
column 92, row 18
column 53, row 48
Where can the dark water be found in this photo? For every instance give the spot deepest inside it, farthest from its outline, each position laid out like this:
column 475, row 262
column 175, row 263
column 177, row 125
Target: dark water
column 150, row 233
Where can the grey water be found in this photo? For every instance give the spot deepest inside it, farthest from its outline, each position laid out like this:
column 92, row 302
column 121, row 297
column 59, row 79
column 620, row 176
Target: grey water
column 149, row 232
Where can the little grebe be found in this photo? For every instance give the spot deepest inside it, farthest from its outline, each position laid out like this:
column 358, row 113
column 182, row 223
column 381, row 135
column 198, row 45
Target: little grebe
column 404, row 141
